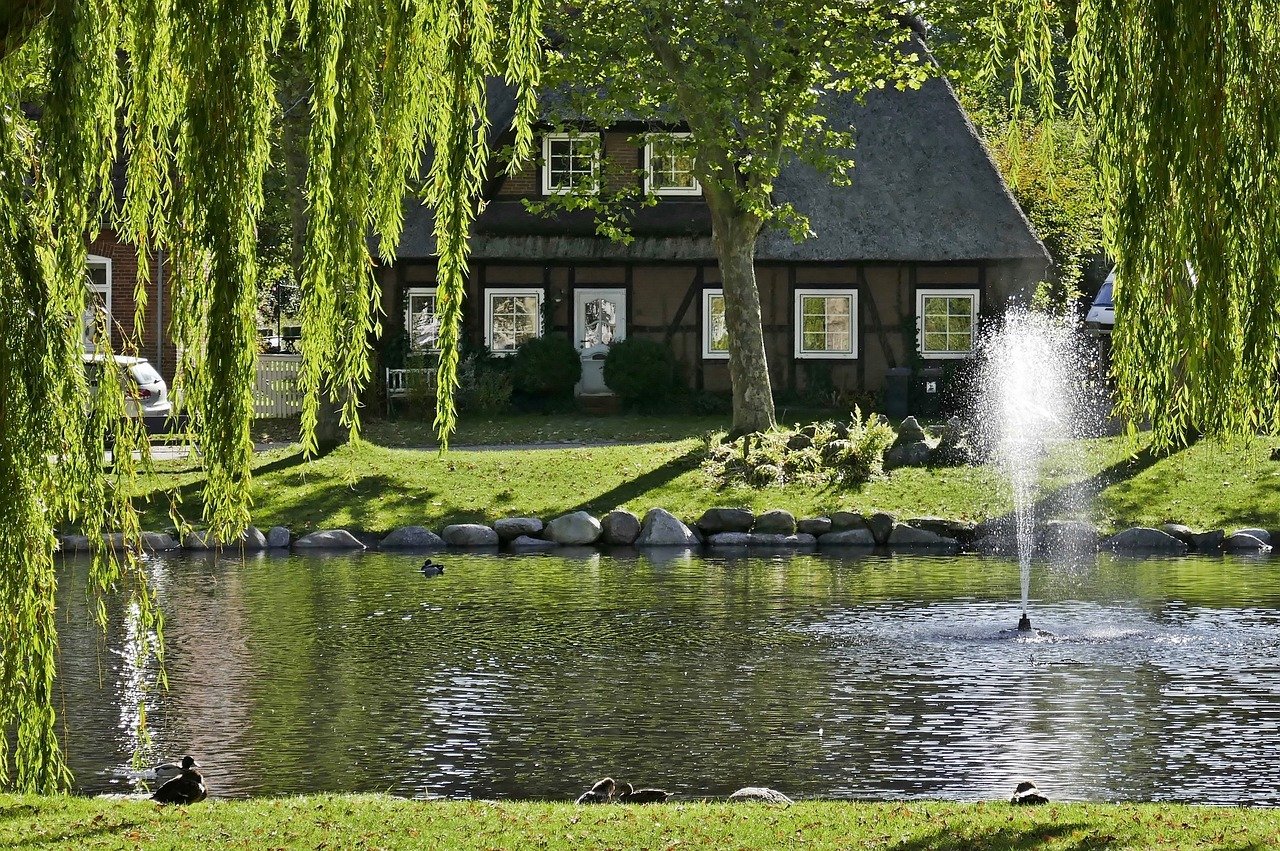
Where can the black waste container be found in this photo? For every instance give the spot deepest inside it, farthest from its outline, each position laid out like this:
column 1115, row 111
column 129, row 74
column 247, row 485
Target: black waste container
column 897, row 393
column 927, row 393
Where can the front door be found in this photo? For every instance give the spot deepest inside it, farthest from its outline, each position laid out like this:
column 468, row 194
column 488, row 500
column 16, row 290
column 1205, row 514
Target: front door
column 599, row 319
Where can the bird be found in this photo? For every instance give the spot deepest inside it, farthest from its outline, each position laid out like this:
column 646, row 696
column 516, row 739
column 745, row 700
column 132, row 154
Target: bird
column 165, row 771
column 629, row 795
column 600, row 793
column 1028, row 795
column 431, row 568
column 762, row 794
column 187, row 788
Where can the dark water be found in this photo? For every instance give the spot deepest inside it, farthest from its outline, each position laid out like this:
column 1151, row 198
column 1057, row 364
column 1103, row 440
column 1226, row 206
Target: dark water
column 529, row 677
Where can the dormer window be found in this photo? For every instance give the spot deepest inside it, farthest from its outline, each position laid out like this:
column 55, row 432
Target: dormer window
column 669, row 160
column 570, row 163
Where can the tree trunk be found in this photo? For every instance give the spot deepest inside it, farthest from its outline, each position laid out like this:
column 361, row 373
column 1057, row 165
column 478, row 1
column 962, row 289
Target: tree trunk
column 735, row 240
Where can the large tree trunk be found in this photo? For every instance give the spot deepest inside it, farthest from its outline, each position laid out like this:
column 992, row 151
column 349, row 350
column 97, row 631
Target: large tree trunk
column 735, row 240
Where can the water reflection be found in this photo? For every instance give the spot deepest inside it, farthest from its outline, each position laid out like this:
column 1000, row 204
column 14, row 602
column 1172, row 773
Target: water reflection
column 528, row 677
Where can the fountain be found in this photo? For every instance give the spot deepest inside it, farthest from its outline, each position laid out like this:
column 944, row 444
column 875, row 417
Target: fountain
column 1029, row 400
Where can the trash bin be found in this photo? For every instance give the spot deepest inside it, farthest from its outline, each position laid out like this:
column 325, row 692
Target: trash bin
column 927, row 393
column 897, row 392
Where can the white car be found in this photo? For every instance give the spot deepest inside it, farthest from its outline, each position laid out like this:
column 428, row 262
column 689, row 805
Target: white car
column 146, row 394
column 1102, row 313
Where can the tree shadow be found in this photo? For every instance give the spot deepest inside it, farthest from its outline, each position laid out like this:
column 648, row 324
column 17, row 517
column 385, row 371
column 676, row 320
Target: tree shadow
column 75, row 838
column 634, row 488
column 1010, row 839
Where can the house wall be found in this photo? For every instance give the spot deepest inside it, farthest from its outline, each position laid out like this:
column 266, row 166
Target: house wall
column 665, row 303
column 152, row 340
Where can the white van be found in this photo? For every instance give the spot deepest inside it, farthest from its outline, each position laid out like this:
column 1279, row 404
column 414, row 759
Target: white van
column 1102, row 313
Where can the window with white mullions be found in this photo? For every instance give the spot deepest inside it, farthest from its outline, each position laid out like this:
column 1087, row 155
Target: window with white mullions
column 97, row 308
column 715, row 331
column 570, row 163
column 948, row 322
column 512, row 316
column 826, row 323
column 421, row 320
column 669, row 164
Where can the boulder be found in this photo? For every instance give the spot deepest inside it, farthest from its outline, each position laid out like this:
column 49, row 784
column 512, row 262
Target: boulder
column 992, row 543
column 574, row 529
column 1144, row 539
column 842, row 521
column 661, row 528
column 799, row 441
column 619, row 528
column 1207, row 542
column 957, row 529
column 881, row 524
column 816, row 526
column 715, row 520
column 759, row 794
column 510, row 528
column 775, row 522
column 1261, row 534
column 904, row 535
column 953, row 446
column 159, row 542
column 411, row 537
column 328, row 539
column 470, row 535
column 729, row 539
column 1067, row 537
column 910, row 432
column 73, row 543
column 251, row 539
column 1177, row 530
column 774, row 539
column 1242, row 542
column 525, row 542
column 278, row 537
column 907, row 455
column 848, row 538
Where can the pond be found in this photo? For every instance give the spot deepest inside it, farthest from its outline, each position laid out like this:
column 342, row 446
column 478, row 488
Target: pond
column 532, row 676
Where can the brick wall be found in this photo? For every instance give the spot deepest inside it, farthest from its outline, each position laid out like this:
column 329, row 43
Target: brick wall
column 152, row 339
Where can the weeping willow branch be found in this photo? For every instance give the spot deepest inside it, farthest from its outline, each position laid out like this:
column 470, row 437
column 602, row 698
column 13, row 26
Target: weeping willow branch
column 1188, row 144
column 392, row 82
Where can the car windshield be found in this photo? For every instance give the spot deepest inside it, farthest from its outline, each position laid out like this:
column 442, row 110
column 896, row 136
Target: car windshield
column 1103, row 298
column 144, row 373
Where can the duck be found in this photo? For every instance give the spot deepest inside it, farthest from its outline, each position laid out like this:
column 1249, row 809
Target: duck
column 762, row 794
column 166, row 771
column 600, row 793
column 1028, row 795
column 187, row 788
column 629, row 795
column 431, row 568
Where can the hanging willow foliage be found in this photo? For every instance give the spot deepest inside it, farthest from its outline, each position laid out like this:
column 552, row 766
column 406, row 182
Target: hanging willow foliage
column 1188, row 143
column 182, row 88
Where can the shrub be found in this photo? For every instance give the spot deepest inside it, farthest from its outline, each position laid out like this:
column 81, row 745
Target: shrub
column 821, row 453
column 642, row 372
column 546, row 366
column 484, row 386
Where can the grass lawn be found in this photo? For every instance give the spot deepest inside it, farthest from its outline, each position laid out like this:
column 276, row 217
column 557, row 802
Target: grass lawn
column 373, row 486
column 369, row 822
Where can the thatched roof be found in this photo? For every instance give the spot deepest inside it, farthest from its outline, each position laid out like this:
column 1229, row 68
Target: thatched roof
column 924, row 190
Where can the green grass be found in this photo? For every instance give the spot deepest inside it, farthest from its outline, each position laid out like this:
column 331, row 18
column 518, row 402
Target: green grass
column 375, row 487
column 367, row 822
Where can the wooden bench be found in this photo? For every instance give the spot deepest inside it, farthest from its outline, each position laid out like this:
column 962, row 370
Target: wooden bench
column 400, row 380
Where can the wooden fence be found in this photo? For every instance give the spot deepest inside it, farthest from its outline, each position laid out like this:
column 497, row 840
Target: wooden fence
column 276, row 393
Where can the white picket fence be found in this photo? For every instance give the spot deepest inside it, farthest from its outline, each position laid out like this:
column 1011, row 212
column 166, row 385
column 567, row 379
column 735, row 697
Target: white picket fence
column 275, row 392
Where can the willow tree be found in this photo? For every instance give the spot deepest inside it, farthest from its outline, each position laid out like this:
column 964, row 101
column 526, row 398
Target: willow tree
column 181, row 89
column 751, row 79
column 1183, row 99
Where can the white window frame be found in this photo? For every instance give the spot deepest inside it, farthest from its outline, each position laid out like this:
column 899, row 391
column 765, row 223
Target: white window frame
column 707, row 352
column 974, row 297
column 408, row 313
column 490, row 294
column 829, row 292
column 696, row 189
column 547, row 187
column 99, row 260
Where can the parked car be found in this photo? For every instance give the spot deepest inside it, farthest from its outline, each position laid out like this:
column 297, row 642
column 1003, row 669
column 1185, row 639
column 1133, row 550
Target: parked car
column 1101, row 318
column 146, row 394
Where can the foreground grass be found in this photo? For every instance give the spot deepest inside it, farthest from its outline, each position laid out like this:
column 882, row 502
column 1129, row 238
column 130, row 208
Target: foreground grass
column 382, row 822
column 375, row 487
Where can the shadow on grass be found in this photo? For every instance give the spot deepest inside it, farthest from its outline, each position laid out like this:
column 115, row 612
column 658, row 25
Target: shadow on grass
column 1011, row 839
column 76, row 838
column 655, row 478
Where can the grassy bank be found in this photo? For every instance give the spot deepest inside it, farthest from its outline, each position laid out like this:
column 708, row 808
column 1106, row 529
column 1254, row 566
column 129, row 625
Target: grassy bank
column 380, row 822
column 376, row 486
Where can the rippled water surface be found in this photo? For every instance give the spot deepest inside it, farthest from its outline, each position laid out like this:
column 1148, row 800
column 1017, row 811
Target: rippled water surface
column 531, row 676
